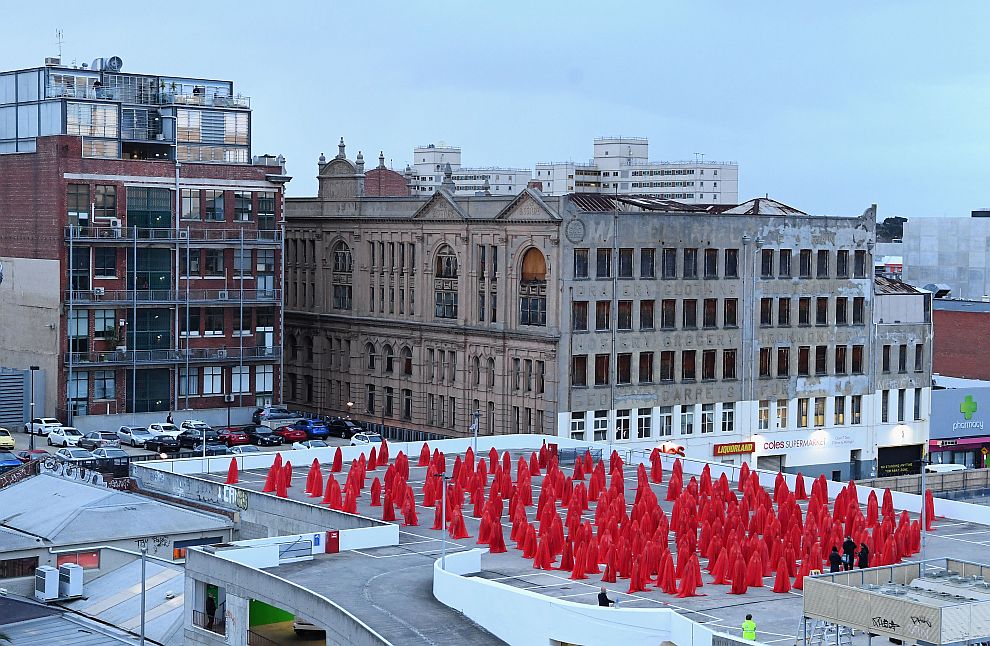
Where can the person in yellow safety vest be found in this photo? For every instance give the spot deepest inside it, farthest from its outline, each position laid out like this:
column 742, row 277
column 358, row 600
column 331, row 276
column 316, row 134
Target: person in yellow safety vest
column 749, row 629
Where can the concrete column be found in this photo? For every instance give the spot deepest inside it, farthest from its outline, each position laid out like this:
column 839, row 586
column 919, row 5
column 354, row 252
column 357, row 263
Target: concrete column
column 238, row 614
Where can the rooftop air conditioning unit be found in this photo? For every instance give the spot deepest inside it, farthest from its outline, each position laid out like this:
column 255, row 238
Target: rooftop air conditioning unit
column 46, row 583
column 159, row 137
column 183, row 234
column 70, row 580
column 98, row 291
column 222, row 353
column 223, row 295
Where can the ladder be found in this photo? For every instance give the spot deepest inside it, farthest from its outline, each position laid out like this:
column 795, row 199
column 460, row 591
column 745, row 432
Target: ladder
column 823, row 633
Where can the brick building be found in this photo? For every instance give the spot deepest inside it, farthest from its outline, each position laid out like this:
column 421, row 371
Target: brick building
column 141, row 245
column 961, row 329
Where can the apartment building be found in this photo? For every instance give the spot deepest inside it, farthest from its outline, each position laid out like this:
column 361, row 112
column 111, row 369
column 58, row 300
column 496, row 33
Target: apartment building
column 142, row 242
column 753, row 332
column 430, row 161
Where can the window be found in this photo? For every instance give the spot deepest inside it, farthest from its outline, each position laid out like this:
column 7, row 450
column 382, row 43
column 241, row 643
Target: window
column 263, row 380
column 104, row 323
column 783, row 312
column 802, row 412
column 579, row 316
column 729, row 417
column 766, row 312
column 341, row 276
column 188, row 382
column 533, row 310
column 901, row 396
column 917, row 403
column 841, row 361
column 242, row 206
column 645, row 367
column 819, row 411
column 622, row 424
column 623, row 368
column 707, row 418
column 667, row 314
column 240, row 381
column 602, row 369
column 77, row 203
column 859, row 307
column 781, row 413
column 710, row 312
column 533, row 289
column 784, row 263
column 212, row 380
column 919, row 357
column 765, row 361
column 407, row 363
column 580, row 263
column 213, row 262
column 766, row 263
column 242, row 262
column 406, row 403
column 214, row 321
column 191, row 208
column 763, row 415
column 644, row 423
column 783, row 362
column 711, row 263
column 104, row 384
column 804, row 310
column 646, row 262
column 728, row 364
column 902, row 358
column 624, row 321
column 690, row 263
column 603, row 263
column 842, row 264
column 708, row 365
column 839, row 412
column 885, row 359
column 445, row 284
column 805, row 263
column 602, row 312
column 689, row 316
column 859, row 264
column 528, row 381
column 625, row 263
column 841, row 310
column 646, row 314
column 821, row 310
column 821, row 360
column 16, row 568
column 577, row 426
column 369, row 404
column 822, row 264
column 389, row 358
column 687, row 420
column 885, row 406
column 214, row 205
column 491, row 372
column 89, row 560
column 688, row 359
column 856, row 410
column 804, row 356
column 667, row 365
column 600, row 425
column 665, row 421
column 731, row 263
column 669, row 263
column 729, row 319
column 105, row 262
column 857, row 360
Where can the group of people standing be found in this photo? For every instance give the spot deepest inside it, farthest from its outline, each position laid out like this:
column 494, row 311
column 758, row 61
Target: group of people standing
column 849, row 557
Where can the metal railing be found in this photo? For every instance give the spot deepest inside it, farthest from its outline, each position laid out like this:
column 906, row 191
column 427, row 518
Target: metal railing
column 206, row 99
column 232, row 295
column 216, row 623
column 171, row 356
column 107, row 233
column 254, row 639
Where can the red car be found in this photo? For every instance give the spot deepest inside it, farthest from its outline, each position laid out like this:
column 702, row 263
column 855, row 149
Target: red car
column 32, row 454
column 290, row 434
column 232, row 436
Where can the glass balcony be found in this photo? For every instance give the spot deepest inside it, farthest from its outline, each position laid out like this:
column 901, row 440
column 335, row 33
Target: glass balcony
column 252, row 354
column 228, row 237
column 234, row 296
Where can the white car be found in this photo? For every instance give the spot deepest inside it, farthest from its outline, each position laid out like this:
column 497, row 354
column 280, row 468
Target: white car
column 310, row 444
column 242, row 449
column 944, row 468
column 64, row 436
column 134, row 435
column 72, row 455
column 41, row 425
column 164, row 428
column 365, row 438
column 194, row 425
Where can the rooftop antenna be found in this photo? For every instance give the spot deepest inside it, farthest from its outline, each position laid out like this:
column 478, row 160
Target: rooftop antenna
column 59, row 40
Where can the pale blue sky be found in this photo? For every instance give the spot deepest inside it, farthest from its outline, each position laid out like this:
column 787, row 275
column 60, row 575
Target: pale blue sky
column 826, row 106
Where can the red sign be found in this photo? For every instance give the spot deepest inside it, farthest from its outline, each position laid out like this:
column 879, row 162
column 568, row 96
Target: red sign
column 734, row 448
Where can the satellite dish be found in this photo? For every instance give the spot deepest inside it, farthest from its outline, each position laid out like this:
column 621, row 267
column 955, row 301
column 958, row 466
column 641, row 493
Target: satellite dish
column 113, row 64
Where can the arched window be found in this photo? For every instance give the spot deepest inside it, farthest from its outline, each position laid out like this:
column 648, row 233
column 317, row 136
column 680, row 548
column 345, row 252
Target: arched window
column 290, row 341
column 533, row 289
column 445, row 284
column 308, row 348
column 491, row 372
column 369, row 350
column 341, row 278
column 389, row 358
column 476, row 370
column 407, row 364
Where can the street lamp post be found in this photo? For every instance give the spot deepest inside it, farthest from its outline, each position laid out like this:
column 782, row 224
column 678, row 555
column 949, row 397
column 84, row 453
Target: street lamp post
column 350, row 405
column 443, row 520
column 474, row 427
column 31, row 421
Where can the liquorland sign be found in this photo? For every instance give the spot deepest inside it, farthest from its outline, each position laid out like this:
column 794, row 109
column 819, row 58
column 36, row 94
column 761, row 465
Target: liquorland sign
column 734, row 448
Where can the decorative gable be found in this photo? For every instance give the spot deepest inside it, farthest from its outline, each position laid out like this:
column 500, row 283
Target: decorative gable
column 440, row 207
column 527, row 207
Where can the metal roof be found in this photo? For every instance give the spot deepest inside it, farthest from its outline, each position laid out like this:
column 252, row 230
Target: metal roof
column 764, row 206
column 885, row 285
column 604, row 203
column 959, row 305
column 28, row 623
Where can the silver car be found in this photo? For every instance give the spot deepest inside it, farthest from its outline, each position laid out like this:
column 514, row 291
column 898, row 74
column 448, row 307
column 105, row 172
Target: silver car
column 134, row 435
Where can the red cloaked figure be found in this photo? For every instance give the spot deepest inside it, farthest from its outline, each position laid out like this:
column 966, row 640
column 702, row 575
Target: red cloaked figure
column 409, row 517
column 280, row 483
column 529, row 543
column 534, row 465
column 720, row 571
column 232, row 472
column 579, row 469
column 577, row 572
column 872, row 509
column 287, row 474
column 492, row 459
column 690, row 580
column 496, row 543
column 376, row 493
column 799, row 492
column 636, row 580
column 567, row 556
column 316, row 484
column 438, row 516
column 373, row 459
column 338, row 462
column 271, row 478
column 388, row 509
column 783, row 582
column 754, row 572
column 609, row 574
column 424, row 456
column 743, row 475
column 313, row 468
column 383, row 453
column 331, row 494
column 543, row 559
column 738, row 576
column 929, row 509
column 665, row 574
column 457, row 528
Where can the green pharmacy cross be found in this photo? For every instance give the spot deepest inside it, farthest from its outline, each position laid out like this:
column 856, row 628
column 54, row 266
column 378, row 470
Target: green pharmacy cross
column 967, row 407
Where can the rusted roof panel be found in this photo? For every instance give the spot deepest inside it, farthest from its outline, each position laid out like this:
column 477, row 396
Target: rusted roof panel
column 885, row 285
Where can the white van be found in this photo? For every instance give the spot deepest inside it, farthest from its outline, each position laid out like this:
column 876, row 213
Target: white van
column 944, row 468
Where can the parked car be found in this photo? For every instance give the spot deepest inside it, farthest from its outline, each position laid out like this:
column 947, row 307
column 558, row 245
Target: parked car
column 211, row 449
column 310, row 444
column 97, row 439
column 944, row 468
column 304, row 629
column 6, row 440
column 344, row 428
column 270, row 413
column 134, row 435
column 72, row 454
column 41, row 425
column 64, row 436
column 162, row 444
column 109, row 453
column 193, row 436
column 232, row 435
column 244, row 449
column 164, row 428
column 8, row 461
column 193, row 424
column 262, row 435
column 315, row 429
column 32, row 454
column 291, row 434
column 365, row 438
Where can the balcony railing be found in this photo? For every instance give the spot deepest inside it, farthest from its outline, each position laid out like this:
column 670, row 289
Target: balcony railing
column 107, row 233
column 172, row 297
column 168, row 357
column 204, row 98
column 217, row 623
column 207, row 99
